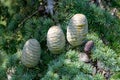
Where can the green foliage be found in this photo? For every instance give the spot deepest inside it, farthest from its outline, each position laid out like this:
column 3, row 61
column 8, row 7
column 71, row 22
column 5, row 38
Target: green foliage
column 2, row 73
column 57, row 67
column 68, row 67
column 36, row 28
column 104, row 53
column 115, row 3
column 116, row 76
column 99, row 20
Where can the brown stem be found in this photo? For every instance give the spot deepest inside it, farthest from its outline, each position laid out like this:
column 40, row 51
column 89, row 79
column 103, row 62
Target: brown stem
column 27, row 18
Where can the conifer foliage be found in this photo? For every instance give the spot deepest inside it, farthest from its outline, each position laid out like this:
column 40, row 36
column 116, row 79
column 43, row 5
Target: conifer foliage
column 21, row 20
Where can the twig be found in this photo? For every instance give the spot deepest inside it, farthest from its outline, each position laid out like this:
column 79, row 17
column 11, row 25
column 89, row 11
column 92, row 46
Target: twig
column 27, row 18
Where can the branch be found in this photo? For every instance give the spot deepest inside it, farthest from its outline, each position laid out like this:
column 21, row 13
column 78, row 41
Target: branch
column 27, row 18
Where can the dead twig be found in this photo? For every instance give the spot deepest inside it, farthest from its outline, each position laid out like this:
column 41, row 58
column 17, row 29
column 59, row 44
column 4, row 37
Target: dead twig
column 21, row 23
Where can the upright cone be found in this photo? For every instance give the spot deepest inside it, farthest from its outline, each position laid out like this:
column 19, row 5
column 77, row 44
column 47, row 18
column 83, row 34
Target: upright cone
column 31, row 53
column 77, row 29
column 55, row 39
